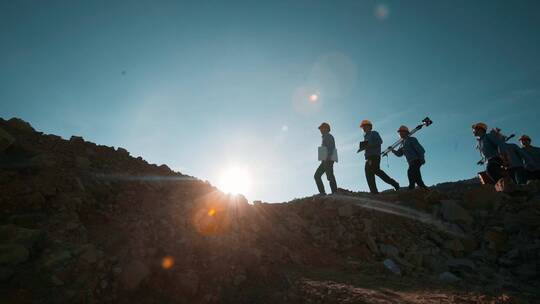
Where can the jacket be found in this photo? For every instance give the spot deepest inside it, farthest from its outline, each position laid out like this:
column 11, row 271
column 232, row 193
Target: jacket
column 329, row 143
column 412, row 149
column 371, row 144
column 490, row 144
column 531, row 158
column 513, row 155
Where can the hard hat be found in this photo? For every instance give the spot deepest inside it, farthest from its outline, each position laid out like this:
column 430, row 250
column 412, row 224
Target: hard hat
column 324, row 125
column 480, row 125
column 403, row 129
column 524, row 138
column 365, row 122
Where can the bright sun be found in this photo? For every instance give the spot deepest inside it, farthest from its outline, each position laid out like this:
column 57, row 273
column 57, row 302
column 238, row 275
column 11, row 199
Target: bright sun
column 234, row 180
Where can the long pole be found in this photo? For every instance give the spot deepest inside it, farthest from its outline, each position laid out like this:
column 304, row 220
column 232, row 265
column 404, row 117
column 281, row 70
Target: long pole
column 425, row 122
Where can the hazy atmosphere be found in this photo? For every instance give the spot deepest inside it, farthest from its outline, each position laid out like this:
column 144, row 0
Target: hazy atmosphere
column 212, row 86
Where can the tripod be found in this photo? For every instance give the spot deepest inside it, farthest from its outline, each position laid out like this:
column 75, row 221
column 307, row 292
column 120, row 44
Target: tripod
column 425, row 122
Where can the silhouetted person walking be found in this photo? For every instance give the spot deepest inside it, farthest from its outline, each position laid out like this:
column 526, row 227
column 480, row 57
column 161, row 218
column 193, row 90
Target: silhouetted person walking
column 327, row 165
column 414, row 153
column 489, row 145
column 372, row 145
column 531, row 158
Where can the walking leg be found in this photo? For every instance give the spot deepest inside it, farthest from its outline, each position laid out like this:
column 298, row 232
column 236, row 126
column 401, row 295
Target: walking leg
column 330, row 176
column 418, row 174
column 318, row 174
column 370, row 177
column 382, row 175
column 410, row 176
column 494, row 171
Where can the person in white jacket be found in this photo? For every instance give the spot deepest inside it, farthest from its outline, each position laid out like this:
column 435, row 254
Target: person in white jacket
column 326, row 166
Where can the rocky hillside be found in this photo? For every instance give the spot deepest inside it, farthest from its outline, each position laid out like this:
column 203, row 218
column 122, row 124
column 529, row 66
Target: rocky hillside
column 84, row 223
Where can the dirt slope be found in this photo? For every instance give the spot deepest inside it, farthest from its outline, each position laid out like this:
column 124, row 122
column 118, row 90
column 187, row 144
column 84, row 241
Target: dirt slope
column 84, row 223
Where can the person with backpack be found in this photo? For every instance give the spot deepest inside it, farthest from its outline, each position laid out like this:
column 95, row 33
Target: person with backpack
column 531, row 158
column 514, row 159
column 414, row 153
column 489, row 145
column 327, row 165
column 372, row 147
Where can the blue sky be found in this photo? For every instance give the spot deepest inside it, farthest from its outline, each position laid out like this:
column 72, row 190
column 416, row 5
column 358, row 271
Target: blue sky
column 205, row 85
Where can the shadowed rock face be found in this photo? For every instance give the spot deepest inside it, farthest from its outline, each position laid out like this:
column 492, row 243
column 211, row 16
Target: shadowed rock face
column 80, row 222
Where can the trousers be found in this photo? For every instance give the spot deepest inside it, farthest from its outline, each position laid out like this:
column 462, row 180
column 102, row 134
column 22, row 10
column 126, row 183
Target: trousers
column 327, row 167
column 372, row 169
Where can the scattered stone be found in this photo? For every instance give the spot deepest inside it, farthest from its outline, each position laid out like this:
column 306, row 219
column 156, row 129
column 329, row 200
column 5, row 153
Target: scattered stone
column 122, row 151
column 393, row 267
column 454, row 245
column 460, row 263
column 90, row 254
column 239, row 279
column 56, row 281
column 496, row 238
column 31, row 220
column 372, row 245
column 346, row 211
column 484, row 197
column 453, row 212
column 56, row 258
column 433, row 197
column 389, row 250
column 76, row 139
column 133, row 273
column 527, row 271
column 189, row 281
column 19, row 235
column 13, row 254
column 6, row 273
column 448, row 277
column 83, row 162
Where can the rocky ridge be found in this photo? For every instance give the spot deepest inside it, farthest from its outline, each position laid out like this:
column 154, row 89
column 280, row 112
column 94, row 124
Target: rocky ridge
column 85, row 223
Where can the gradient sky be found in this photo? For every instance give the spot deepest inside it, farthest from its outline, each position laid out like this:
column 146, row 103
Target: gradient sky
column 203, row 85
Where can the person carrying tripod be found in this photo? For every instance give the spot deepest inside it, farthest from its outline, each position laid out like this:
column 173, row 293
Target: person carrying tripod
column 414, row 153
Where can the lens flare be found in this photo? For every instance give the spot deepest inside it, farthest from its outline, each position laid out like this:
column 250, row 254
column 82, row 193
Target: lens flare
column 167, row 262
column 211, row 212
column 313, row 97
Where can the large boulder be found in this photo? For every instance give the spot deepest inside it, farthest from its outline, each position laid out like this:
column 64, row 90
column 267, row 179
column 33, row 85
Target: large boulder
column 496, row 238
column 13, row 254
column 20, row 125
column 18, row 235
column 133, row 273
column 484, row 197
column 451, row 211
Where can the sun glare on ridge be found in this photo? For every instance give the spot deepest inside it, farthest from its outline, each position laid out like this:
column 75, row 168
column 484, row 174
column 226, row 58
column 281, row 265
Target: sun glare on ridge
column 234, row 180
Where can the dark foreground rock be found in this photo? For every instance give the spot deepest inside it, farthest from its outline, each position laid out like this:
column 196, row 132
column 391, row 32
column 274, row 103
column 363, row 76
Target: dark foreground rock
column 84, row 223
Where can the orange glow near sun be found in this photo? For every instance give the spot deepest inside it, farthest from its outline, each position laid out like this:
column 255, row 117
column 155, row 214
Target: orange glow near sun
column 167, row 262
